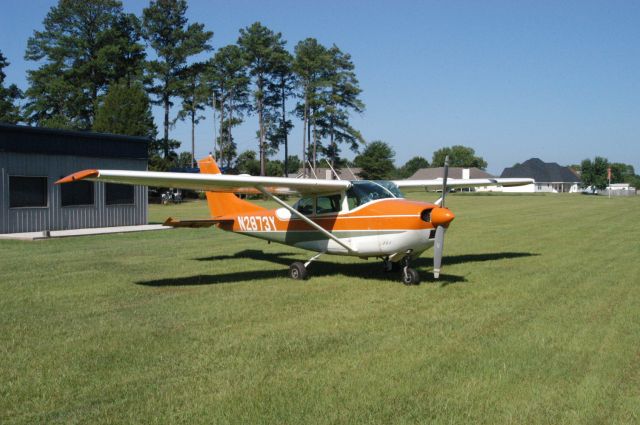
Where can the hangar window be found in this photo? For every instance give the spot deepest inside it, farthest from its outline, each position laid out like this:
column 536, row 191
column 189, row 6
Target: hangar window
column 27, row 191
column 119, row 194
column 77, row 193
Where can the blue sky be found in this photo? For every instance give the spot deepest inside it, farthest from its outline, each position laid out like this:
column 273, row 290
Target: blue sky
column 556, row 80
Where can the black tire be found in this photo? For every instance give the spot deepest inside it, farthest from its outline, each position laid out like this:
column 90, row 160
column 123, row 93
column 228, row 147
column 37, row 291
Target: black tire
column 410, row 276
column 298, row 271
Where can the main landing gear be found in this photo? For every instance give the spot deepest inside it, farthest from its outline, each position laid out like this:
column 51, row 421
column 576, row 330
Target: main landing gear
column 298, row 270
column 409, row 276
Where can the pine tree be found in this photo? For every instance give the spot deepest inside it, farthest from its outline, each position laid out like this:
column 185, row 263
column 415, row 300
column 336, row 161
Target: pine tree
column 259, row 45
column 85, row 46
column 195, row 95
column 229, row 83
column 125, row 109
column 165, row 27
column 281, row 86
column 9, row 109
column 338, row 101
column 312, row 60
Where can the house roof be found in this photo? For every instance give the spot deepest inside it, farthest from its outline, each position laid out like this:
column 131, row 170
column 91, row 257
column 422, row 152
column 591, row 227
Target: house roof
column 322, row 173
column 454, row 173
column 541, row 172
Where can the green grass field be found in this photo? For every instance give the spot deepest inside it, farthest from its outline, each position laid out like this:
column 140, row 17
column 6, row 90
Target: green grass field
column 535, row 320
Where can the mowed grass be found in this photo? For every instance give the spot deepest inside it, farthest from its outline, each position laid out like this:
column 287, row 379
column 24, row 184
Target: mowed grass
column 535, row 320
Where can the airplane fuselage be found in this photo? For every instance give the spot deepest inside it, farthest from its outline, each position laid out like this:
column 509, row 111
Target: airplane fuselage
column 377, row 229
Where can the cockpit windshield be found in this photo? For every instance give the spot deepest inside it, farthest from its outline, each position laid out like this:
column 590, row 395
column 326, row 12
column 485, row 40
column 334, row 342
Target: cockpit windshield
column 363, row 191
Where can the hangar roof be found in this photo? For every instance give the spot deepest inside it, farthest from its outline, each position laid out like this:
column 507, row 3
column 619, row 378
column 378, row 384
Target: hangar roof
column 454, row 173
column 48, row 141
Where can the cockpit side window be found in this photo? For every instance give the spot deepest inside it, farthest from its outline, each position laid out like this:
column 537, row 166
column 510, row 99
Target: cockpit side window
column 305, row 206
column 328, row 204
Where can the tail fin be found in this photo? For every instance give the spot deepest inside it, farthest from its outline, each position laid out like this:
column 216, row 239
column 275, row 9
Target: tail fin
column 221, row 204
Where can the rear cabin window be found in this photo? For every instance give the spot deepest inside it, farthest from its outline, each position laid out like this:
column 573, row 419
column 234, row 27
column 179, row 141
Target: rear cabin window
column 328, row 204
column 304, row 205
column 118, row 194
column 27, row 191
column 77, row 193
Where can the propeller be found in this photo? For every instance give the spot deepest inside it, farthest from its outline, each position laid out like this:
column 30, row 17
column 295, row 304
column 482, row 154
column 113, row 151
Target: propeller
column 444, row 180
column 441, row 218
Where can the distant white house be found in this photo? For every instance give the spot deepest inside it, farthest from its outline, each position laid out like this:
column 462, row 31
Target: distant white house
column 548, row 177
column 620, row 189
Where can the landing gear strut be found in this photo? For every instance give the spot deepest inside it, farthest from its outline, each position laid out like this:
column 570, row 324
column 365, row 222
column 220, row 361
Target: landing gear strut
column 298, row 270
column 409, row 276
column 390, row 266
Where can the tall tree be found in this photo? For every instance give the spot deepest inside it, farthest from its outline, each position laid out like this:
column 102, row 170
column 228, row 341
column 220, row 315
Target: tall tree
column 125, row 109
column 281, row 87
column 310, row 64
column 339, row 100
column 459, row 156
column 259, row 45
column 247, row 163
column 85, row 46
column 412, row 165
column 229, row 83
column 9, row 96
column 195, row 95
column 594, row 173
column 376, row 161
column 166, row 29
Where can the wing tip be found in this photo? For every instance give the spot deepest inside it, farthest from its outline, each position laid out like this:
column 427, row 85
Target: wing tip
column 80, row 175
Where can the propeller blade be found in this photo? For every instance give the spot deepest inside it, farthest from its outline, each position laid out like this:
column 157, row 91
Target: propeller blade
column 444, row 179
column 438, row 247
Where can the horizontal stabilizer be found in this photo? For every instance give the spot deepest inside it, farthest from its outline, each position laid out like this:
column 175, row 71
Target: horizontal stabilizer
column 194, row 223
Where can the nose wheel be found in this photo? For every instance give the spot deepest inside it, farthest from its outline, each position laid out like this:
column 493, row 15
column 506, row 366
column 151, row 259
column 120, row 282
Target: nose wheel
column 409, row 276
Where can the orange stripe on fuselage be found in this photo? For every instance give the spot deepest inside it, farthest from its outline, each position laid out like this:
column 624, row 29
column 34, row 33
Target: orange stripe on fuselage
column 386, row 214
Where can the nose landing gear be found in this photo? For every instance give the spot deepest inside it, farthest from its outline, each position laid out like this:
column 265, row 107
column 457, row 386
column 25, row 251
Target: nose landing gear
column 408, row 275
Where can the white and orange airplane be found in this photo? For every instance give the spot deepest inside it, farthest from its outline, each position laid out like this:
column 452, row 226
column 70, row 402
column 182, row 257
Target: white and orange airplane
column 360, row 218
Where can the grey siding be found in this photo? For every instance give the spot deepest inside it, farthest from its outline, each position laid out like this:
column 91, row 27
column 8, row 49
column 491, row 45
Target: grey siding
column 54, row 216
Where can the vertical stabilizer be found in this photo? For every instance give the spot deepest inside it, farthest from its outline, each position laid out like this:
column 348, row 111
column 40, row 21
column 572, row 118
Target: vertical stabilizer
column 222, row 204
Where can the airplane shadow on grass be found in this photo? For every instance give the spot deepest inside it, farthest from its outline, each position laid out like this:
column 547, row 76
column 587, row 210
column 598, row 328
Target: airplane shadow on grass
column 364, row 269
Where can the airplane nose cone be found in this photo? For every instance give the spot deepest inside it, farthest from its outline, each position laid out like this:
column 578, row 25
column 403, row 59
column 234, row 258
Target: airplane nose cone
column 441, row 217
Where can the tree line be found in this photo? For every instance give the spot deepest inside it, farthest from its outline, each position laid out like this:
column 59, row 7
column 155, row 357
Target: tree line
column 101, row 69
column 594, row 173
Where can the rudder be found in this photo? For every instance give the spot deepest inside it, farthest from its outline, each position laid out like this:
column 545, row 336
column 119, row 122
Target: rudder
column 221, row 203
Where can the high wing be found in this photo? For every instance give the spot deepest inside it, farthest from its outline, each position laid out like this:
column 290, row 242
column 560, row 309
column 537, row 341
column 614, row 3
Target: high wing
column 460, row 183
column 212, row 182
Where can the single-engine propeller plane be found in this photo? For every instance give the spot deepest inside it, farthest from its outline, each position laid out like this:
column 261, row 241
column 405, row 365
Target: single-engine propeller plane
column 361, row 218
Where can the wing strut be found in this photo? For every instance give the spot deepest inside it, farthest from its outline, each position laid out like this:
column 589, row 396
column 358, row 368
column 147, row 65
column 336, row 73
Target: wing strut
column 307, row 220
